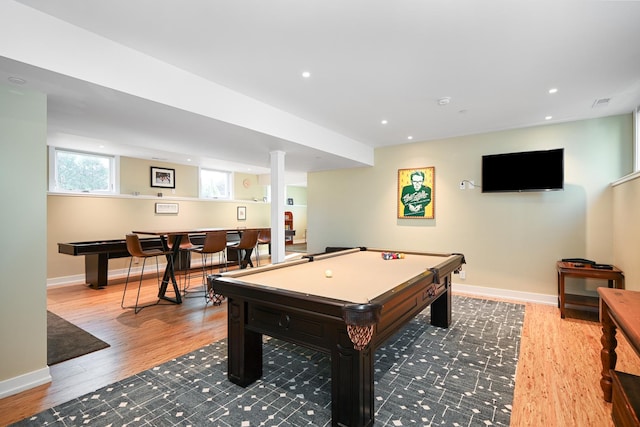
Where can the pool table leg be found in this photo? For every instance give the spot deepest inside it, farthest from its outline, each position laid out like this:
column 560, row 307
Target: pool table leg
column 352, row 390
column 441, row 307
column 244, row 346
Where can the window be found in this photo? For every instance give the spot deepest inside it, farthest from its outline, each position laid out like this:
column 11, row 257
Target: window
column 215, row 184
column 81, row 172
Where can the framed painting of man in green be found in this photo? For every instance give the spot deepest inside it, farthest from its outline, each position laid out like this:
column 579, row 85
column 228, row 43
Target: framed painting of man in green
column 416, row 193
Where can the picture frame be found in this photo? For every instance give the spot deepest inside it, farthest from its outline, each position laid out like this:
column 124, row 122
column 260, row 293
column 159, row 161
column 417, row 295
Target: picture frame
column 163, row 177
column 416, row 193
column 167, row 208
column 242, row 213
column 289, row 201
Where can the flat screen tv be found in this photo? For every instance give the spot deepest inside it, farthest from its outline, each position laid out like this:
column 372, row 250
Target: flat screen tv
column 525, row 171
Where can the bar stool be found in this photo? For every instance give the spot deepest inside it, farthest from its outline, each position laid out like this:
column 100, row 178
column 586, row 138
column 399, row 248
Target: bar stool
column 264, row 238
column 245, row 246
column 183, row 262
column 134, row 247
column 214, row 242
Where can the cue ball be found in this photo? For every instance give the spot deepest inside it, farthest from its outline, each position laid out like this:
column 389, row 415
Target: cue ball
column 328, row 273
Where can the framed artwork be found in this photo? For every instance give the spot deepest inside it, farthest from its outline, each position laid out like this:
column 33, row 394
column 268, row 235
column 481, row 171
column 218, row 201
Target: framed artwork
column 242, row 213
column 289, row 201
column 417, row 193
column 166, row 208
column 163, row 177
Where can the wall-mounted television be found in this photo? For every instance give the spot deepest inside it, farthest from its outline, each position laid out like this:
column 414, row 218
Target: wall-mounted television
column 524, row 171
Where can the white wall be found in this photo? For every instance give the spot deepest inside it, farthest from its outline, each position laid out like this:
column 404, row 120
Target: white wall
column 23, row 314
column 512, row 240
column 626, row 230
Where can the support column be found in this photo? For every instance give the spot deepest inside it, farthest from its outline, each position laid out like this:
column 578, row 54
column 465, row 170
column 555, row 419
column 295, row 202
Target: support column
column 278, row 195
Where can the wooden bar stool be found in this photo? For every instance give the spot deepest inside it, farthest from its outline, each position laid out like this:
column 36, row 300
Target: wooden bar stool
column 182, row 264
column 245, row 246
column 264, row 238
column 214, row 242
column 134, row 247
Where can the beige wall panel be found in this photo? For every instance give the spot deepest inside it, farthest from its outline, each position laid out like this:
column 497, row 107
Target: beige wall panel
column 626, row 226
column 23, row 315
column 511, row 240
column 135, row 176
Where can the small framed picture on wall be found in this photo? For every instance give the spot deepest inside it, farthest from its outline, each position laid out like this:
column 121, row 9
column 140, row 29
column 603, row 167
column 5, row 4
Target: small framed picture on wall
column 242, row 213
column 163, row 177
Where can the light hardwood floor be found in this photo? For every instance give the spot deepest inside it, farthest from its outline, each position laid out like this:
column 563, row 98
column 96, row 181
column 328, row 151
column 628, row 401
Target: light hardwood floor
column 557, row 380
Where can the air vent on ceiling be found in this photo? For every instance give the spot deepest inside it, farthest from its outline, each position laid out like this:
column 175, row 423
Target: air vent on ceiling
column 602, row 102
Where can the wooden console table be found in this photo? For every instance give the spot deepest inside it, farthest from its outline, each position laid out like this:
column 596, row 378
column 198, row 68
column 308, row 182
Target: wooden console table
column 620, row 309
column 614, row 277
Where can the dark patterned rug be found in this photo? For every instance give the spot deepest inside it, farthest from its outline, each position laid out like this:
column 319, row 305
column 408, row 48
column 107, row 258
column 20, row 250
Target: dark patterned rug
column 66, row 340
column 424, row 376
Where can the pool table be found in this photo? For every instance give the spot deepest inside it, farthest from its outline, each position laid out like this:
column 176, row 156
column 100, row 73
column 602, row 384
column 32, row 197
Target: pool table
column 345, row 303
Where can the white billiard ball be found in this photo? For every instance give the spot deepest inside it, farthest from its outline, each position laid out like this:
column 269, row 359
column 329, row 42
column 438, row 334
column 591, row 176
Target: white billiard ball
column 328, row 273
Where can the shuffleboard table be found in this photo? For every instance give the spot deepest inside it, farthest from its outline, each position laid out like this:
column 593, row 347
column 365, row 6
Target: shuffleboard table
column 345, row 303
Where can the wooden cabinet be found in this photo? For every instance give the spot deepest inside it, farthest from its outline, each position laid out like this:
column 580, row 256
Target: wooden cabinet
column 288, row 226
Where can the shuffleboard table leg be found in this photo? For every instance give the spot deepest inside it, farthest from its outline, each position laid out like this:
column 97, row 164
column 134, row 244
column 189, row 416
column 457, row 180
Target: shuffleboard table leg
column 244, row 346
column 96, row 269
column 441, row 307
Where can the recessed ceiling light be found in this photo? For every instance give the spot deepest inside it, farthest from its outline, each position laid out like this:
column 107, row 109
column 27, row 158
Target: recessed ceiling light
column 410, row 137
column 384, row 121
column 548, row 117
column 306, row 74
column 444, row 101
column 553, row 90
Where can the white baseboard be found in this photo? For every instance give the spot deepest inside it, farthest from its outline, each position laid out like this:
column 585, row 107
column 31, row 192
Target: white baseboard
column 24, row 382
column 481, row 291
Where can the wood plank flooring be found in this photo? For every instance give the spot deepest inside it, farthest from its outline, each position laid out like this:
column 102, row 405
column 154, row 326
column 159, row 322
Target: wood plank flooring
column 557, row 380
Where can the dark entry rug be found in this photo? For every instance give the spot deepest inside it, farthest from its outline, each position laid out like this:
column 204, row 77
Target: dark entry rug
column 424, row 376
column 66, row 341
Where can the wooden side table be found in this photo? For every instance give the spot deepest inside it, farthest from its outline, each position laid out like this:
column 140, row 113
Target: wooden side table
column 620, row 309
column 614, row 277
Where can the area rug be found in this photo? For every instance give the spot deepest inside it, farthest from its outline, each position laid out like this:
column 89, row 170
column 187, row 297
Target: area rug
column 66, row 341
column 424, row 376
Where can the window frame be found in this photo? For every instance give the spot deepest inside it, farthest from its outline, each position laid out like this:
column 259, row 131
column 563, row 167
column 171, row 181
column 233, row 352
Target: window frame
column 230, row 180
column 636, row 139
column 114, row 171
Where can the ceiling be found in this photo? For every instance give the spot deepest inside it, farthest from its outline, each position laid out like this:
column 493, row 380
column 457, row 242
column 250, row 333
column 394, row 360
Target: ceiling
column 369, row 61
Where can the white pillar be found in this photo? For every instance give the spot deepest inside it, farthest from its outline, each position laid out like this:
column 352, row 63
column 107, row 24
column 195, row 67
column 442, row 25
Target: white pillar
column 278, row 195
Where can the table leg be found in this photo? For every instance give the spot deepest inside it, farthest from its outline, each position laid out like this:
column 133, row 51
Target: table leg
column 561, row 299
column 352, row 390
column 96, row 270
column 244, row 258
column 608, row 353
column 244, row 346
column 169, row 273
